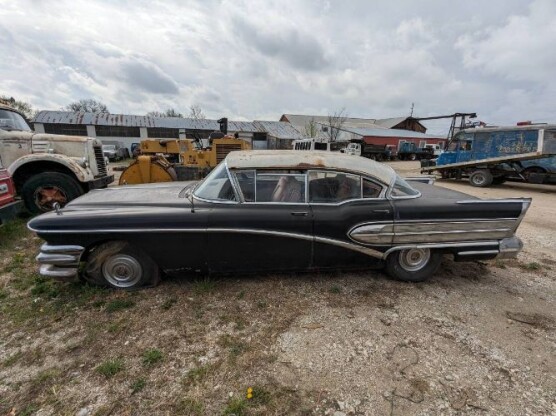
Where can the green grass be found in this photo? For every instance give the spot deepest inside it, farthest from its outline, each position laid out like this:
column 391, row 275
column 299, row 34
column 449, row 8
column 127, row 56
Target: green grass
column 532, row 266
column 205, row 285
column 12, row 359
column 196, row 375
column 261, row 396
column 138, row 385
column 236, row 407
column 152, row 356
column 168, row 303
column 111, row 367
column 119, row 305
column 335, row 289
column 12, row 231
column 189, row 407
column 4, row 294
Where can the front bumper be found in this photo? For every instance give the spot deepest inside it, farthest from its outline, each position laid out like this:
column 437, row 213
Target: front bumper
column 101, row 182
column 59, row 262
column 9, row 211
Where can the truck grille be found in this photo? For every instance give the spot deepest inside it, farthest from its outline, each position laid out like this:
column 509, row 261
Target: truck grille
column 222, row 150
column 99, row 157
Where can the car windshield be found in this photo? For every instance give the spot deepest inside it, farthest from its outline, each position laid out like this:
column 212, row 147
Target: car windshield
column 10, row 120
column 216, row 186
column 402, row 189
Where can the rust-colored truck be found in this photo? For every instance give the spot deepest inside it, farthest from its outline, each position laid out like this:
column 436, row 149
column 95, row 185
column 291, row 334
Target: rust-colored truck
column 48, row 168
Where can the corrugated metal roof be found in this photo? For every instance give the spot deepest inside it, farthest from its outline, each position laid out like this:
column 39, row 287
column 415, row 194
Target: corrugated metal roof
column 278, row 129
column 392, row 133
column 105, row 119
column 388, row 123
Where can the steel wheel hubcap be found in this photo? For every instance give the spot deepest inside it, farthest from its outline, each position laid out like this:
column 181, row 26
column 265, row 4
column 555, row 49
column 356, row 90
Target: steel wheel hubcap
column 479, row 179
column 122, row 270
column 414, row 259
column 47, row 196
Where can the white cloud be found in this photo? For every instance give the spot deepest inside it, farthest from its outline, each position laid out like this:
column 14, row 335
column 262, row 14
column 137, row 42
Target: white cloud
column 254, row 59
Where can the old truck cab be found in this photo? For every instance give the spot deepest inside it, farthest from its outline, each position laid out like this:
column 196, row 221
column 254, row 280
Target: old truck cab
column 47, row 168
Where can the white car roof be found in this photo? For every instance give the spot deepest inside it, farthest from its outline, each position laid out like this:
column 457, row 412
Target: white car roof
column 299, row 159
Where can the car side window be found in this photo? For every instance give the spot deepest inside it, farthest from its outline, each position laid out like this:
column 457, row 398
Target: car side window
column 280, row 187
column 246, row 182
column 371, row 189
column 333, row 187
column 216, row 186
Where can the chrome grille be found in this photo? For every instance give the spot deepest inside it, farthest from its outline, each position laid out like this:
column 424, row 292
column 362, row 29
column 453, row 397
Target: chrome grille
column 222, row 150
column 99, row 157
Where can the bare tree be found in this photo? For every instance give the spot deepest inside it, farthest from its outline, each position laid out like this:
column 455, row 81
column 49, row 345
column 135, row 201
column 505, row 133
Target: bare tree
column 196, row 112
column 168, row 113
column 311, row 129
column 27, row 109
column 335, row 123
column 88, row 105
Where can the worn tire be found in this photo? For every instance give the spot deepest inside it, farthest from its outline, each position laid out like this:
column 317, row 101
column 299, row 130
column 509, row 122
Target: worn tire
column 399, row 266
column 481, row 178
column 120, row 265
column 68, row 186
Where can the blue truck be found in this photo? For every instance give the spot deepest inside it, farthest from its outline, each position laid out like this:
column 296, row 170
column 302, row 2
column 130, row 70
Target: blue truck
column 491, row 155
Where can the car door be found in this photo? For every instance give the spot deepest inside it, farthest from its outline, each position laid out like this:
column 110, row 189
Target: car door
column 351, row 219
column 269, row 228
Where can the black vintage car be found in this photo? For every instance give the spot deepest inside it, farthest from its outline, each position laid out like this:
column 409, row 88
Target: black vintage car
column 274, row 211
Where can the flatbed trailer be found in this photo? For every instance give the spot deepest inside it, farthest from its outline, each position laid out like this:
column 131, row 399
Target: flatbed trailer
column 493, row 155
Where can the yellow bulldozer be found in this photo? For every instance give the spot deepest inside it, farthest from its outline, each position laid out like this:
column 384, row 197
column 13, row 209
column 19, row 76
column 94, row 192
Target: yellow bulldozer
column 180, row 159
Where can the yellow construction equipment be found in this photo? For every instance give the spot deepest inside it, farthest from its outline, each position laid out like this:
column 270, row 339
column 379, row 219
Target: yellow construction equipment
column 180, row 159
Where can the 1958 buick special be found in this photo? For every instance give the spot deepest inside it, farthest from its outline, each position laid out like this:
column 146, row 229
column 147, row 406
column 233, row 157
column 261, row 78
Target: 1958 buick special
column 274, row 211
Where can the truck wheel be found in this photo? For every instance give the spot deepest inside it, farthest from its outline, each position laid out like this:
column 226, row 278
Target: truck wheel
column 120, row 265
column 481, row 178
column 412, row 156
column 413, row 264
column 378, row 158
column 40, row 192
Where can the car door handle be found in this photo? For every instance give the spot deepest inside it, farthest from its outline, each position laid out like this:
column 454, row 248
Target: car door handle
column 381, row 211
column 300, row 213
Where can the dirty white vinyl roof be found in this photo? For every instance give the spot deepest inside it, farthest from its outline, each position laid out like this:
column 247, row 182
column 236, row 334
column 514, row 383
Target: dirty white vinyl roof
column 299, row 159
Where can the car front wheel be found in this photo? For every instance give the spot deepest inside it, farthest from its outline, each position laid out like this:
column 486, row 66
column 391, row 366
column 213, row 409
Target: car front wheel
column 120, row 265
column 413, row 264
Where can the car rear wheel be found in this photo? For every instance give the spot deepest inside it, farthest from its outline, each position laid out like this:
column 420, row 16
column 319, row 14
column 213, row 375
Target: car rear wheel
column 120, row 265
column 413, row 264
column 481, row 178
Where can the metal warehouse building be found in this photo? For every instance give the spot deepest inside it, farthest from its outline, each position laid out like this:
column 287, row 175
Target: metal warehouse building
column 129, row 129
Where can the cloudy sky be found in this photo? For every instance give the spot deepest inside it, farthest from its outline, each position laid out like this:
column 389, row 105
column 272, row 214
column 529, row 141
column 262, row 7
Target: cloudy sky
column 259, row 59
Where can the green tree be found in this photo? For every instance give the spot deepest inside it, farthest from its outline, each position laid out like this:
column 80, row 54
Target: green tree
column 27, row 109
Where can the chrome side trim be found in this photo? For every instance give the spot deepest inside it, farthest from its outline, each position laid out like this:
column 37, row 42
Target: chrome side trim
column 476, row 252
column 431, row 232
column 490, row 201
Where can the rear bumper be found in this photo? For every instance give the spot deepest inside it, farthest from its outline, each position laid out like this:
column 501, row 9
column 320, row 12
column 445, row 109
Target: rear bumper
column 9, row 211
column 507, row 248
column 59, row 262
column 101, row 182
column 510, row 247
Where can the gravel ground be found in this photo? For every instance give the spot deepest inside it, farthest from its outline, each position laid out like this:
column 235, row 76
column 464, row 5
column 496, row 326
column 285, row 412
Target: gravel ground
column 478, row 338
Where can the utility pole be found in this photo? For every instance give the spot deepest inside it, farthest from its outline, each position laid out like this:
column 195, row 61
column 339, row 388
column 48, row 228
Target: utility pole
column 412, row 107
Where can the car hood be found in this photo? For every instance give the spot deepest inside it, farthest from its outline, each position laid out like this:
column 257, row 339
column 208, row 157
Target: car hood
column 148, row 195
